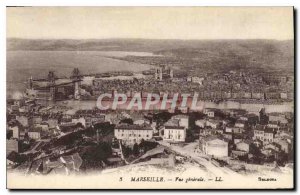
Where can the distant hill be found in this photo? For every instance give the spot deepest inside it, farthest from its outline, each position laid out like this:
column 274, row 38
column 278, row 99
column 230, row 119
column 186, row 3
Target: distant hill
column 269, row 53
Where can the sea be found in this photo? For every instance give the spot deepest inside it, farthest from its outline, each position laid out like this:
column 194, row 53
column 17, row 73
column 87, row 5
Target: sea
column 23, row 64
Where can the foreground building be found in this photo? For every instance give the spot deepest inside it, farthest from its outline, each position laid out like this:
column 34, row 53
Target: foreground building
column 175, row 129
column 214, row 146
column 174, row 133
column 131, row 134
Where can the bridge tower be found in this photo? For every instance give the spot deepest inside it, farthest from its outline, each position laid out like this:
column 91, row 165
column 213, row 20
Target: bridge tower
column 76, row 78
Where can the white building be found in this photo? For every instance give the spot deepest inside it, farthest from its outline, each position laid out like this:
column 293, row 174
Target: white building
column 174, row 133
column 16, row 131
column 283, row 95
column 265, row 135
column 34, row 134
column 201, row 123
column 141, row 122
column 240, row 124
column 276, row 117
column 23, row 120
column 213, row 124
column 243, row 145
column 44, row 126
column 195, row 79
column 229, row 129
column 273, row 124
column 183, row 120
column 131, row 134
column 210, row 112
column 79, row 120
column 214, row 146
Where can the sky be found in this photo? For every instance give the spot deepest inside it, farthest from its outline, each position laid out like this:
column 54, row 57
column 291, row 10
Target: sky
column 150, row 22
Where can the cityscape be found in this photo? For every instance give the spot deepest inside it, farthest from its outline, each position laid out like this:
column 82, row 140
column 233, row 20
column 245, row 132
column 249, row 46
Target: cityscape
column 219, row 107
column 42, row 133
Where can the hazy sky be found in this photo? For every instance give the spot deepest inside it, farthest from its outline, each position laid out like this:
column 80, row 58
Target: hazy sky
column 151, row 22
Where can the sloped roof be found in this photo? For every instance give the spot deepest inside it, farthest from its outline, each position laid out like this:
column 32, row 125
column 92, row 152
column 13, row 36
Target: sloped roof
column 175, row 127
column 215, row 137
column 247, row 141
column 133, row 127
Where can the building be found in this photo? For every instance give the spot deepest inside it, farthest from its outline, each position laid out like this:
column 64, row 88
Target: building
column 131, row 134
column 214, row 146
column 37, row 120
column 205, row 132
column 44, row 126
column 183, row 120
column 16, row 131
column 200, row 123
column 284, row 145
column 257, row 95
column 24, row 121
column 210, row 112
column 19, row 102
column 240, row 124
column 251, row 119
column 238, row 130
column 236, row 112
column 80, row 120
column 164, row 72
column 195, row 79
column 52, row 123
column 34, row 134
column 283, row 95
column 273, row 124
column 213, row 124
column 174, row 133
column 243, row 145
column 158, row 74
column 229, row 128
column 141, row 122
column 12, row 145
column 69, row 127
column 277, row 117
column 266, row 135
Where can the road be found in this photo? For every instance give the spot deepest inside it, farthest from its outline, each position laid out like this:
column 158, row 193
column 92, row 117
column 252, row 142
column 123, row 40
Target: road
column 189, row 151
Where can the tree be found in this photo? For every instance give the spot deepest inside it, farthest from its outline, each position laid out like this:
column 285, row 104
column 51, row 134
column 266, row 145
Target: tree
column 282, row 158
column 126, row 151
column 193, row 116
column 146, row 145
column 162, row 117
column 189, row 135
column 9, row 134
column 127, row 121
column 97, row 152
column 136, row 149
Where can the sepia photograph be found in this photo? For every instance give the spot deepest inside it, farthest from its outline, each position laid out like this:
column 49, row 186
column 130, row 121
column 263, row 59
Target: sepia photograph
column 150, row 97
